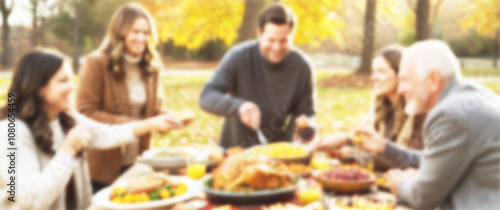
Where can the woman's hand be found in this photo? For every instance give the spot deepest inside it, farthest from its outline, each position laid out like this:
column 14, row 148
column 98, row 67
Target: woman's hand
column 162, row 123
column 332, row 142
column 369, row 140
column 76, row 141
column 186, row 117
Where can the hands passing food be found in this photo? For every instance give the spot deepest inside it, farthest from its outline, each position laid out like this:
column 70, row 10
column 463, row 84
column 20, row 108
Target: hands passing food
column 367, row 139
column 164, row 123
column 333, row 142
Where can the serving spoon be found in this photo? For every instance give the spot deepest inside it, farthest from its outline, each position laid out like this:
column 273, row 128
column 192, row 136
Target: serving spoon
column 261, row 137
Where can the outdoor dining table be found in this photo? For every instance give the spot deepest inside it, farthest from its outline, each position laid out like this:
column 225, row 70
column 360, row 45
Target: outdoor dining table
column 139, row 169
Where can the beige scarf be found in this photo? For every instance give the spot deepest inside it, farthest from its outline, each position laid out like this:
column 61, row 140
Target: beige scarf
column 405, row 134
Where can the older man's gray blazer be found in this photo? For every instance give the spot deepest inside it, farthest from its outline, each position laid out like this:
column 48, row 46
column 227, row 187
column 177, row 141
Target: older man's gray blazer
column 459, row 167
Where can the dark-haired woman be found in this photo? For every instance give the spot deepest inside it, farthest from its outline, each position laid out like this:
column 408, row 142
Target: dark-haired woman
column 119, row 82
column 51, row 169
column 387, row 115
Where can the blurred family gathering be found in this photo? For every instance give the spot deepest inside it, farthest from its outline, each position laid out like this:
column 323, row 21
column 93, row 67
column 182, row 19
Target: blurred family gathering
column 250, row 104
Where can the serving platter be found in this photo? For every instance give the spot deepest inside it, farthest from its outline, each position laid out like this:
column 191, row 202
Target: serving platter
column 258, row 197
column 102, row 198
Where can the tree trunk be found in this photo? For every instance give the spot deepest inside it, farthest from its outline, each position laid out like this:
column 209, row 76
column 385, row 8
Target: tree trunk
column 7, row 58
column 76, row 45
column 34, row 11
column 497, row 38
column 497, row 48
column 41, row 29
column 7, row 55
column 369, row 37
column 422, row 20
column 250, row 19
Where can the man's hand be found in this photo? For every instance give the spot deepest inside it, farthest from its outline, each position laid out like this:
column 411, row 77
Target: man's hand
column 305, row 130
column 396, row 176
column 369, row 140
column 250, row 114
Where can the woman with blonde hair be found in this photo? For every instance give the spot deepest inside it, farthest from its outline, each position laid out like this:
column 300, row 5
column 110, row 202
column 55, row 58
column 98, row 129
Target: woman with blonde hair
column 387, row 115
column 119, row 82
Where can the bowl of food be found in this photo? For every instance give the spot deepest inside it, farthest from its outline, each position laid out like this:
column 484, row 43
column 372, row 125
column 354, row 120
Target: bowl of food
column 285, row 152
column 345, row 179
column 145, row 192
column 177, row 157
column 250, row 179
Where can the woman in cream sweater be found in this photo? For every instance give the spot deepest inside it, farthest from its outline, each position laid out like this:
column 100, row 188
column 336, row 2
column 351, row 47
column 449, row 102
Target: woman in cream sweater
column 51, row 170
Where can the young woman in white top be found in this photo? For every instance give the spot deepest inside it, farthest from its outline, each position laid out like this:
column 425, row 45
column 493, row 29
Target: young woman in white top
column 52, row 139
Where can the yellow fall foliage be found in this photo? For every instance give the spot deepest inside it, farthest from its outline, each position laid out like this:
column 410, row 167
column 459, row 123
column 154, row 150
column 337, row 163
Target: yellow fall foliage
column 484, row 16
column 317, row 21
column 191, row 23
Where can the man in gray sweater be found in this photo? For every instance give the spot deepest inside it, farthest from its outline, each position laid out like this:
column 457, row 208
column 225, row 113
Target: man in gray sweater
column 263, row 84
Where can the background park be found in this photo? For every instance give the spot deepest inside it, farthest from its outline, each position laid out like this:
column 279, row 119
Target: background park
column 340, row 36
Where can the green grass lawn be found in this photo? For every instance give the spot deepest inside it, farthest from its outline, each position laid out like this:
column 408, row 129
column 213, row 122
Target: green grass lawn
column 338, row 109
column 481, row 72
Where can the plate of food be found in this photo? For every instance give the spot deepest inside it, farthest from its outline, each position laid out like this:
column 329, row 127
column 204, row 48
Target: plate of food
column 345, row 179
column 178, row 157
column 250, row 179
column 358, row 202
column 145, row 192
column 285, row 151
column 300, row 169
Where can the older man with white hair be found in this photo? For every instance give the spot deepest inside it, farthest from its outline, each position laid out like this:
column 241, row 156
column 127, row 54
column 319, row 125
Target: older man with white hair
column 459, row 167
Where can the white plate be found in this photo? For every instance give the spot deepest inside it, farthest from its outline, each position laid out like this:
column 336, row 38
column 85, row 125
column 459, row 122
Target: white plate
column 102, row 198
column 151, row 157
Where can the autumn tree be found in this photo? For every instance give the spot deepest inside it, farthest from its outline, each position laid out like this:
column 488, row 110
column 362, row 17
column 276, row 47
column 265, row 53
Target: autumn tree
column 76, row 33
column 40, row 10
column 7, row 55
column 425, row 13
column 85, row 34
column 422, row 20
column 191, row 23
column 250, row 19
column 369, row 37
column 34, row 23
column 484, row 17
column 317, row 21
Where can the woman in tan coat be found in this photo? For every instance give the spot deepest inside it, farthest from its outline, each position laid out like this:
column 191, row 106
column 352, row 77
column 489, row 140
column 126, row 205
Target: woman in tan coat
column 119, row 83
